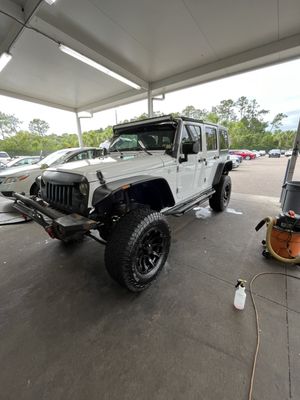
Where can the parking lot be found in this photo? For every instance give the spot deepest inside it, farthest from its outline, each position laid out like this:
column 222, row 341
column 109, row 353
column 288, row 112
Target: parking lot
column 67, row 331
column 262, row 176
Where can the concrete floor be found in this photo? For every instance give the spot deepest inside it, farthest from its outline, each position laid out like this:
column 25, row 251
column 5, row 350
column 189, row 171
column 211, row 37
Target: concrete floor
column 67, row 331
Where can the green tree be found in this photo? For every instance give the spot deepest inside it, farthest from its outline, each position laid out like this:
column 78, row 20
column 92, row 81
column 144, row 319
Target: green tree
column 9, row 124
column 192, row 112
column 38, row 126
column 277, row 121
column 225, row 111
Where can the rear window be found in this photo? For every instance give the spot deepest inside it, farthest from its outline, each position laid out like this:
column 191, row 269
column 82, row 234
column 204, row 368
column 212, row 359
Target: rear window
column 223, row 137
column 211, row 138
column 3, row 154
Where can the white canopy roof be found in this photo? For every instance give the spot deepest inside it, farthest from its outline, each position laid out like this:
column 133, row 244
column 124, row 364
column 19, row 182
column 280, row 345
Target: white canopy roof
column 161, row 45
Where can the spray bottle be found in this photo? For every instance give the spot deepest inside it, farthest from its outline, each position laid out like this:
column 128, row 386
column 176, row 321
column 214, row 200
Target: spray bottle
column 240, row 295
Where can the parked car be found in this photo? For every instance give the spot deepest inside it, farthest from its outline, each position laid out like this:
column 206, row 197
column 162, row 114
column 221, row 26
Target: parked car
column 235, row 160
column 262, row 152
column 274, row 153
column 23, row 179
column 124, row 196
column 246, row 154
column 4, row 157
column 289, row 153
column 23, row 160
column 257, row 153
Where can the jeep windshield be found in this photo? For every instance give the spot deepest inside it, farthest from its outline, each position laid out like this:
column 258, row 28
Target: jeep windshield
column 153, row 137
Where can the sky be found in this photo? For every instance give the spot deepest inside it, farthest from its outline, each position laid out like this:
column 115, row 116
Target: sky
column 275, row 88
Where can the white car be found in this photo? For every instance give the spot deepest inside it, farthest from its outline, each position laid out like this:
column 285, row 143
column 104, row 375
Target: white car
column 257, row 153
column 235, row 160
column 22, row 179
column 289, row 153
column 155, row 167
column 4, row 157
column 23, row 160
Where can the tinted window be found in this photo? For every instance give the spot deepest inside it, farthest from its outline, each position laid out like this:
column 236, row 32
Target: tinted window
column 186, row 135
column 154, row 137
column 80, row 156
column 211, row 138
column 195, row 132
column 223, row 137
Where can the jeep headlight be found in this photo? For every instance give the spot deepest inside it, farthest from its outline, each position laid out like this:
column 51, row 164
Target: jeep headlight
column 12, row 179
column 84, row 188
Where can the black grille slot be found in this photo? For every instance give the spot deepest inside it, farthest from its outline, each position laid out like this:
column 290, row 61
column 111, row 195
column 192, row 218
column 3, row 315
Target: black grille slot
column 59, row 194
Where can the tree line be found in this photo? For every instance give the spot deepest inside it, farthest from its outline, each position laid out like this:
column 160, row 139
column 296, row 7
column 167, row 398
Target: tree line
column 246, row 121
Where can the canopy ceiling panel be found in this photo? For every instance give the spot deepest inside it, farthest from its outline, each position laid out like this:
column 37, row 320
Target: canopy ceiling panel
column 54, row 76
column 163, row 45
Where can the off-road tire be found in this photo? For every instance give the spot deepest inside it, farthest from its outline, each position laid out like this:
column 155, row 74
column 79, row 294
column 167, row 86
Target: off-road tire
column 140, row 239
column 220, row 199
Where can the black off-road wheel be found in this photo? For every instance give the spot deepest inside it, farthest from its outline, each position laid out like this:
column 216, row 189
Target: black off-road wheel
column 137, row 248
column 220, row 199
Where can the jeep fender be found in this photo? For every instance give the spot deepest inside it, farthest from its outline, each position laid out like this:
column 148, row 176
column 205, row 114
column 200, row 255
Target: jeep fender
column 152, row 191
column 222, row 169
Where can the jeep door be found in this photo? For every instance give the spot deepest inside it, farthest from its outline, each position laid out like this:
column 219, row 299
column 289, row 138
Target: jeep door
column 212, row 154
column 187, row 165
column 200, row 177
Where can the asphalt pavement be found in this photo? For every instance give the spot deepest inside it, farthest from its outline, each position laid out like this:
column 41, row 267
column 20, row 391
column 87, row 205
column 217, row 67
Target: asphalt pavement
column 67, row 331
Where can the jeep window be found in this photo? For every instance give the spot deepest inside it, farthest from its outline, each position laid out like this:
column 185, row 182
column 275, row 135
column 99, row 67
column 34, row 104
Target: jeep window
column 223, row 137
column 211, row 138
column 195, row 132
column 154, row 137
column 186, row 135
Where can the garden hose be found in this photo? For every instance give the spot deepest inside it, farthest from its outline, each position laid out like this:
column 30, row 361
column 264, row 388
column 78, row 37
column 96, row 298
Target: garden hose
column 258, row 331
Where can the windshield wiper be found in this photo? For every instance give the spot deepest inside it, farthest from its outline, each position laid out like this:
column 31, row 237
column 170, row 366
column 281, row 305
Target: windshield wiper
column 143, row 147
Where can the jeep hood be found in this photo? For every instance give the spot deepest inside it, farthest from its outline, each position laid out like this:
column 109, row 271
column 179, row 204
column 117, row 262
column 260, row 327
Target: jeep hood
column 113, row 166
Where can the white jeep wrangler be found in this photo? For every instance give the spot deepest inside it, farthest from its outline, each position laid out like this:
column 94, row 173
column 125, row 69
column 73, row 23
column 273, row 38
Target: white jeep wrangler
column 155, row 167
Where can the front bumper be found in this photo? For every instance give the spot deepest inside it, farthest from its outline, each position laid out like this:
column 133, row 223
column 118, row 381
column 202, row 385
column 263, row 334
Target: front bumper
column 57, row 225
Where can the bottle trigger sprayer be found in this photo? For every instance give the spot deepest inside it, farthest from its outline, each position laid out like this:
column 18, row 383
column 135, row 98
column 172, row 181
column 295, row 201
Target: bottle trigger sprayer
column 240, row 295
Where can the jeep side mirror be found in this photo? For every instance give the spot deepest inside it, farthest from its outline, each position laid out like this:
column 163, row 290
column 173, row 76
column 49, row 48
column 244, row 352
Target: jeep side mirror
column 190, row 147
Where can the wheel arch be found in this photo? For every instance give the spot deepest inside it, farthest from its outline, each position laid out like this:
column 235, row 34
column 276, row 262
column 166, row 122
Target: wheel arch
column 222, row 169
column 152, row 191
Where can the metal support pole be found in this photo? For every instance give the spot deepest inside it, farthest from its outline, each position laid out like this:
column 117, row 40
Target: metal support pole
column 291, row 166
column 150, row 104
column 79, row 131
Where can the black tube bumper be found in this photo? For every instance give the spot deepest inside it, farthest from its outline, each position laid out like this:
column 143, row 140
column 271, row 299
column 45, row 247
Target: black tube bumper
column 57, row 225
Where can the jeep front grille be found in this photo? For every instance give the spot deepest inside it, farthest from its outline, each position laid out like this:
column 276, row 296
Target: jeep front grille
column 62, row 191
column 59, row 194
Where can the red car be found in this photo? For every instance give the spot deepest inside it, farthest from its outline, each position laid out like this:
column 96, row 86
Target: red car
column 246, row 154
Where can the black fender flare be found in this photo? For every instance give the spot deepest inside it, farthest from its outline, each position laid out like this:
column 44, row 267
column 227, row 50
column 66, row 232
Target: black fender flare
column 150, row 190
column 222, row 169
